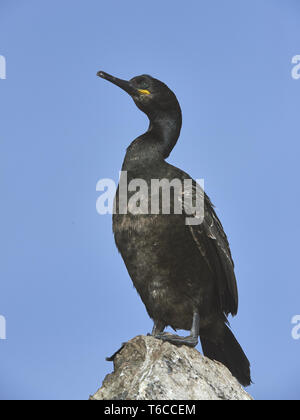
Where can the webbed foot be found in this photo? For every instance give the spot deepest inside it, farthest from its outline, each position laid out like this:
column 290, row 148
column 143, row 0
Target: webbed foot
column 177, row 340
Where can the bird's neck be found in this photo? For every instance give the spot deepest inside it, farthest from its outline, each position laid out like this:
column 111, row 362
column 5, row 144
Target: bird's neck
column 164, row 130
column 157, row 143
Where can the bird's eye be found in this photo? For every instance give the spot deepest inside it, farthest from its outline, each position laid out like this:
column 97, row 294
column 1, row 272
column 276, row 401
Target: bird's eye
column 143, row 84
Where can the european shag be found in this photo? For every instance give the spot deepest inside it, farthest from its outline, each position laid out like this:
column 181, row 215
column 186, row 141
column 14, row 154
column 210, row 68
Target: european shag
column 183, row 272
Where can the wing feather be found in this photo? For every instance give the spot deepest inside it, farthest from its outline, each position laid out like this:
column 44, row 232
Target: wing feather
column 213, row 246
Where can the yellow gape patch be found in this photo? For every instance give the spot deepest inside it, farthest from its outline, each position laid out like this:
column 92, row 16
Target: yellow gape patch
column 144, row 92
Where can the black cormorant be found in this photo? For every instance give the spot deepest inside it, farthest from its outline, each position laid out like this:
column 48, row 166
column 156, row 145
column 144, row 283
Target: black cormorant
column 183, row 272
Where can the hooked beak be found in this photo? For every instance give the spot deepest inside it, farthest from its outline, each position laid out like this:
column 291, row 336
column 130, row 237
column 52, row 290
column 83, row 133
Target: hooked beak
column 123, row 84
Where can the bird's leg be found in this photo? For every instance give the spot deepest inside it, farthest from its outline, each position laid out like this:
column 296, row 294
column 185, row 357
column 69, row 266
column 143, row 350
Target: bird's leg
column 191, row 340
column 158, row 328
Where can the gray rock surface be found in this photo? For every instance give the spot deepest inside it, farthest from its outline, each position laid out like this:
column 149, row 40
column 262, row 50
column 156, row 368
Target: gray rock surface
column 150, row 369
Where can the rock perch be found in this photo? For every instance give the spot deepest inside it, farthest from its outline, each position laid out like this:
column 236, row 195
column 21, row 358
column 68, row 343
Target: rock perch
column 150, row 369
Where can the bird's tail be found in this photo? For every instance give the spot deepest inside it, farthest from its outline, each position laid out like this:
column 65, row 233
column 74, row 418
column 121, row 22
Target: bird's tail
column 221, row 345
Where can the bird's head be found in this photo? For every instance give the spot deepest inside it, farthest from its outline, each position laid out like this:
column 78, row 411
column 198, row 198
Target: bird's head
column 151, row 96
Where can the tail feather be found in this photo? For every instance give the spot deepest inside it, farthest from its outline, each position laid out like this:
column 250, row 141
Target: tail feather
column 223, row 347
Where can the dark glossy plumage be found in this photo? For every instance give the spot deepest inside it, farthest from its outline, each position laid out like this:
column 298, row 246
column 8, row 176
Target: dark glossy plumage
column 183, row 273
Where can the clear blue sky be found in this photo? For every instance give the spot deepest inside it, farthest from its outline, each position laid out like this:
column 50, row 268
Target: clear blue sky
column 64, row 291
